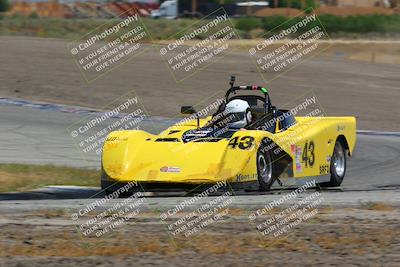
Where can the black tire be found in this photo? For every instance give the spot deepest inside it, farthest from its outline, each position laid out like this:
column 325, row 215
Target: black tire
column 264, row 168
column 338, row 165
column 104, row 182
column 105, row 188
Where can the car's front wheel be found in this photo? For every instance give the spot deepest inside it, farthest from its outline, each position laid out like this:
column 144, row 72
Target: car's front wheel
column 338, row 165
column 264, row 169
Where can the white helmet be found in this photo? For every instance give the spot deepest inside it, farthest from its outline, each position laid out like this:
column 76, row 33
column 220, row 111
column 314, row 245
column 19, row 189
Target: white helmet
column 238, row 113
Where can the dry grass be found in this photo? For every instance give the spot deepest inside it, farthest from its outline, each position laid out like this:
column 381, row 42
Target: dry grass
column 358, row 238
column 376, row 239
column 378, row 206
column 237, row 212
column 48, row 213
column 22, row 177
column 210, row 243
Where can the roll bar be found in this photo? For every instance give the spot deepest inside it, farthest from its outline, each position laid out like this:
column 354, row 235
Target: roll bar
column 233, row 89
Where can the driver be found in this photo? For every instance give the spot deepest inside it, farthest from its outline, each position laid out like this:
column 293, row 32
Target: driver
column 238, row 114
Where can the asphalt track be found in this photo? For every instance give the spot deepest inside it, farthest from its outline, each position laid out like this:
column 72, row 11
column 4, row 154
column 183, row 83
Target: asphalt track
column 31, row 135
column 343, row 83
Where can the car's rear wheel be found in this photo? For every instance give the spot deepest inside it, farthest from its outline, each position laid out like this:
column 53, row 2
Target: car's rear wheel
column 264, row 169
column 338, row 165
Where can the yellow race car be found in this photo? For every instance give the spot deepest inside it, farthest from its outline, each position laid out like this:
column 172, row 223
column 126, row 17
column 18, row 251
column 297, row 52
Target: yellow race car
column 271, row 145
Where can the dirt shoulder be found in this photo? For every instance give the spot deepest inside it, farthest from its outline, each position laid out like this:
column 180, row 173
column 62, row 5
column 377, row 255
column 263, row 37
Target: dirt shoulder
column 363, row 236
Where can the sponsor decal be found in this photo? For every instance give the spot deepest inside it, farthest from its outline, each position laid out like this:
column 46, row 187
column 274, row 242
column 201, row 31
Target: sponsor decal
column 116, row 138
column 170, row 169
column 244, row 177
column 297, row 151
column 340, row 128
column 324, row 169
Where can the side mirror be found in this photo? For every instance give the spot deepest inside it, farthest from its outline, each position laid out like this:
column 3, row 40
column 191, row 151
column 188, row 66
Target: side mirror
column 188, row 110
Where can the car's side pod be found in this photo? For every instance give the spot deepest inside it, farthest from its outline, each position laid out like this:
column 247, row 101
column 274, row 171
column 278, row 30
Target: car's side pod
column 281, row 161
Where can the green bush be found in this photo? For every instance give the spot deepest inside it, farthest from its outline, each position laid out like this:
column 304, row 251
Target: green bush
column 270, row 23
column 247, row 27
column 297, row 3
column 335, row 24
column 4, row 5
column 33, row 15
column 248, row 23
column 361, row 24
